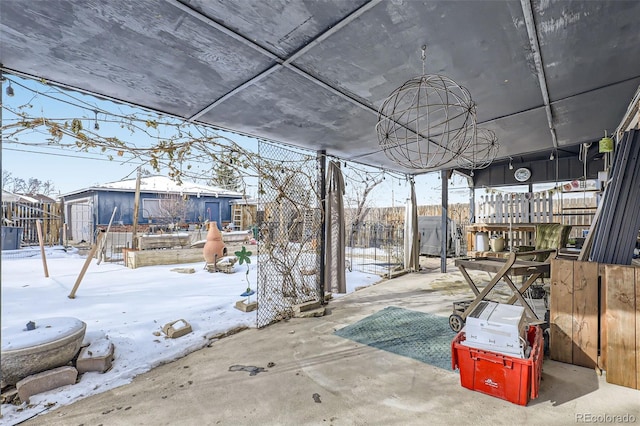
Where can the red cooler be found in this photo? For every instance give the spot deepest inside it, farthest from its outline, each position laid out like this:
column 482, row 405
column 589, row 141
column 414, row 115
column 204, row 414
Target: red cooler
column 514, row 379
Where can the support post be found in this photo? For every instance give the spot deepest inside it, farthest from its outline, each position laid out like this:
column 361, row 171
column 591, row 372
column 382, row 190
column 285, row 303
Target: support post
column 530, row 205
column 92, row 253
column 321, row 157
column 445, row 207
column 136, row 207
column 42, row 253
column 1, row 91
column 472, row 205
column 102, row 248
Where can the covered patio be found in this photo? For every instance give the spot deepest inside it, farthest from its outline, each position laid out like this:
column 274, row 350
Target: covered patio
column 546, row 78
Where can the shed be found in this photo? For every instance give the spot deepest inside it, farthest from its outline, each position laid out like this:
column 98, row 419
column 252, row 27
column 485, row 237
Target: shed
column 244, row 213
column 163, row 203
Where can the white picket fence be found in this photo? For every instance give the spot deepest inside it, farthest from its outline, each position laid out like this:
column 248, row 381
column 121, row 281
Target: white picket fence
column 515, row 208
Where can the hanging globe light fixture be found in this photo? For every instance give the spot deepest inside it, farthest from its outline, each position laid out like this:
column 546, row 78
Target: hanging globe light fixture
column 426, row 122
column 481, row 152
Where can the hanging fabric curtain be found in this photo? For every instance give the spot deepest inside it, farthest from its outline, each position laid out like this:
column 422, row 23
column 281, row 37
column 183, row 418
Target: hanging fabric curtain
column 335, row 233
column 411, row 233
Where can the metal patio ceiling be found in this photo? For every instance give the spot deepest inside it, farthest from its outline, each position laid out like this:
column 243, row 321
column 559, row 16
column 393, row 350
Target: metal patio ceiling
column 313, row 73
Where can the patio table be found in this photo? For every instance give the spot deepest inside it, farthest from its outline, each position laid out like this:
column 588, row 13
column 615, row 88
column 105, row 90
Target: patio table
column 500, row 269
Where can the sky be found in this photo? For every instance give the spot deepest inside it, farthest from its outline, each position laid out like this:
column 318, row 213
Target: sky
column 128, row 307
column 71, row 170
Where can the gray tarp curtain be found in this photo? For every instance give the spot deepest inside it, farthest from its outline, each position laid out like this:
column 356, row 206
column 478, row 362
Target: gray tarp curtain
column 411, row 232
column 335, row 233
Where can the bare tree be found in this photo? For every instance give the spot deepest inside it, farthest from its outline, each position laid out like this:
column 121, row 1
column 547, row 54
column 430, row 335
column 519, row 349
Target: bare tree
column 171, row 209
column 32, row 186
column 48, row 188
column 362, row 185
column 7, row 180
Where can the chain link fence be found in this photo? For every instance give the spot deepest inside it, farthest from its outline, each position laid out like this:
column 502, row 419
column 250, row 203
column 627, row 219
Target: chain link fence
column 376, row 248
column 289, row 232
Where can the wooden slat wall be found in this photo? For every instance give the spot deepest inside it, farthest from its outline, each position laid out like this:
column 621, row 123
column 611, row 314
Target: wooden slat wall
column 585, row 314
column 622, row 325
column 574, row 312
column 602, row 362
column 561, row 311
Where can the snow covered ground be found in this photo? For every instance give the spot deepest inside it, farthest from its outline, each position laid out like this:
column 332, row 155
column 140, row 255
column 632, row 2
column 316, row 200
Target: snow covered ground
column 127, row 306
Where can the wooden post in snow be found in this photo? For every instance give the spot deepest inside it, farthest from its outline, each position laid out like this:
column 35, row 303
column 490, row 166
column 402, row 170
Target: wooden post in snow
column 136, row 207
column 92, row 253
column 102, row 247
column 42, row 253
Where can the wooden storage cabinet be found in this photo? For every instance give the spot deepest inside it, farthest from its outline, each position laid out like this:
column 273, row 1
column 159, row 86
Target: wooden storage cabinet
column 595, row 318
column 518, row 234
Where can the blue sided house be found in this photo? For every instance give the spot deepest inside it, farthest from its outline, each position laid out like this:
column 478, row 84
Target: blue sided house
column 163, row 203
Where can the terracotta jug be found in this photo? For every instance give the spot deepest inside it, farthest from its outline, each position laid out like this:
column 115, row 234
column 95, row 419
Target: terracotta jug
column 214, row 245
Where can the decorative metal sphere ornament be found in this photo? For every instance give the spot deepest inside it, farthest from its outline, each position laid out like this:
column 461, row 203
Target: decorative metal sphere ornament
column 426, row 122
column 481, row 152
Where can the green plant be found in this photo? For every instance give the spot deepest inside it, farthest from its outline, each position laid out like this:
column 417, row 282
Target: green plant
column 244, row 256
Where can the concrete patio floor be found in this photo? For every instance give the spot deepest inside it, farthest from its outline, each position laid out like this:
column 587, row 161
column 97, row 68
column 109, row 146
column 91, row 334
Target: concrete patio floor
column 314, row 377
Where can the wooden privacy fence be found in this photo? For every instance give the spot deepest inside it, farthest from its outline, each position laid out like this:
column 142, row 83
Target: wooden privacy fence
column 577, row 212
column 25, row 215
column 595, row 318
column 458, row 212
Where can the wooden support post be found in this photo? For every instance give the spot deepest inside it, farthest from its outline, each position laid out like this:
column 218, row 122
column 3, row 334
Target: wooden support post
column 136, row 207
column 42, row 253
column 98, row 242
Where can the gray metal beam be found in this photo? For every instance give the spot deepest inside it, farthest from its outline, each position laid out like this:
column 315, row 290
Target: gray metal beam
column 321, row 160
column 537, row 58
column 445, row 213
